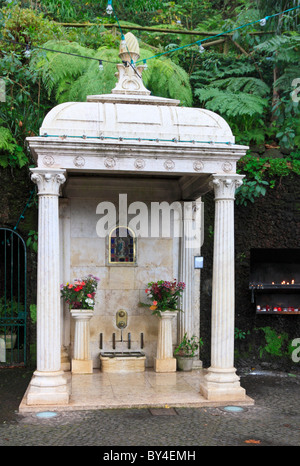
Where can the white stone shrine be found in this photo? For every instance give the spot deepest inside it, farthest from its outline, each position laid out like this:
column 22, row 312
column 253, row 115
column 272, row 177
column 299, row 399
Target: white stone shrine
column 113, row 161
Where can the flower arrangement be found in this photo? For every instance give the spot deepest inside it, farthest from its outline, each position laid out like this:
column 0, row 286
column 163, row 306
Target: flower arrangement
column 164, row 295
column 80, row 294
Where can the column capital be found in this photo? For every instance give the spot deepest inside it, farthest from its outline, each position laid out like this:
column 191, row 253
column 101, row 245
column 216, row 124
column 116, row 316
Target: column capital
column 225, row 185
column 48, row 180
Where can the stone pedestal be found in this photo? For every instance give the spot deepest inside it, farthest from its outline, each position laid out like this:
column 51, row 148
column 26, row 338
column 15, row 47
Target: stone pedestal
column 164, row 361
column 82, row 362
column 48, row 385
column 221, row 381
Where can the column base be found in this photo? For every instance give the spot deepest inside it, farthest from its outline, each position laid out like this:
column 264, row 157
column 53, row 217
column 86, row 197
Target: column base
column 82, row 366
column 48, row 388
column 222, row 385
column 165, row 365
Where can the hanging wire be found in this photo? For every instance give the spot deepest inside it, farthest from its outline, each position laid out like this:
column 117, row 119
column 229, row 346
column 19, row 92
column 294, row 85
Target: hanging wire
column 144, row 60
column 220, row 34
column 32, row 47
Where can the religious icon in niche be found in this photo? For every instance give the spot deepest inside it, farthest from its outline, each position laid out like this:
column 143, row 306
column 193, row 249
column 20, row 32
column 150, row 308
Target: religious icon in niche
column 122, row 246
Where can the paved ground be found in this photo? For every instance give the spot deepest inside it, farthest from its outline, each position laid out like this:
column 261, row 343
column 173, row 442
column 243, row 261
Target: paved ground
column 274, row 420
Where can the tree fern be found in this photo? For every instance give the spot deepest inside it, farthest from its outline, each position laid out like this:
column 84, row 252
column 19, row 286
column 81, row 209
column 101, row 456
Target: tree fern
column 72, row 78
column 232, row 104
column 284, row 48
column 243, row 84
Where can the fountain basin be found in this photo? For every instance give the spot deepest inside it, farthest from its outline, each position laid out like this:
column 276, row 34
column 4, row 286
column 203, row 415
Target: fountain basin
column 127, row 361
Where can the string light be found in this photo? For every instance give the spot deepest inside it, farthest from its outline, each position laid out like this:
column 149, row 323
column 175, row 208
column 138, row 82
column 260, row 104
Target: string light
column 145, row 64
column 122, row 138
column 221, row 33
column 123, row 41
column 263, row 21
column 101, row 65
column 201, row 48
column 109, row 8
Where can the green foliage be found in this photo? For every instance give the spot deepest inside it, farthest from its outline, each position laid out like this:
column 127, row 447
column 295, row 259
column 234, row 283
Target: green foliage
column 231, row 87
column 274, row 342
column 251, row 190
column 261, row 173
column 33, row 312
column 188, row 346
column 11, row 154
column 72, row 78
column 232, row 104
column 32, row 240
column 26, row 26
column 240, row 334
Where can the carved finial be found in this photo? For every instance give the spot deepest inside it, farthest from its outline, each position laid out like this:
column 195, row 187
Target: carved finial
column 129, row 48
column 129, row 75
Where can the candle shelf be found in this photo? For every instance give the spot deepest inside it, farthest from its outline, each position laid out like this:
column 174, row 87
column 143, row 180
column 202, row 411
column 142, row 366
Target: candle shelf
column 275, row 281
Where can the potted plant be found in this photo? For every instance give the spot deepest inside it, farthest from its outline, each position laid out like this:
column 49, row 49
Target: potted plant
column 185, row 352
column 81, row 293
column 80, row 296
column 164, row 295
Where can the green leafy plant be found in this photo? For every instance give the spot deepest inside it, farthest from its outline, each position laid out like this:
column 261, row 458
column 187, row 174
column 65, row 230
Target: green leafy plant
column 274, row 342
column 188, row 346
column 71, row 78
column 33, row 314
column 10, row 311
column 11, row 154
column 240, row 334
column 32, row 240
column 251, row 190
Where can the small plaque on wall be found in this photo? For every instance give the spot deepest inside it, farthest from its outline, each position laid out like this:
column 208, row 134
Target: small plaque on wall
column 198, row 262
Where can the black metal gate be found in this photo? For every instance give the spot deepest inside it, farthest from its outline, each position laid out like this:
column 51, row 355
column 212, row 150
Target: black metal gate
column 13, row 294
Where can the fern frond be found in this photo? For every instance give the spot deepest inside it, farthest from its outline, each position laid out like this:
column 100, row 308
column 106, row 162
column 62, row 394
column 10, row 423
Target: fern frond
column 245, row 84
column 284, row 48
column 73, row 78
column 232, row 104
column 290, row 73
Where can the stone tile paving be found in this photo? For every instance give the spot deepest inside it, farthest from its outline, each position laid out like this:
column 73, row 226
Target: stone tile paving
column 274, row 420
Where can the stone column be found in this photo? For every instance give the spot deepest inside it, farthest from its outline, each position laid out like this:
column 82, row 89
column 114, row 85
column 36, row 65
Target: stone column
column 221, row 381
column 48, row 385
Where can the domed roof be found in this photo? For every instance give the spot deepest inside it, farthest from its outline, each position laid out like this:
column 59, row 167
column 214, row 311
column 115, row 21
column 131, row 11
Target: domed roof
column 130, row 113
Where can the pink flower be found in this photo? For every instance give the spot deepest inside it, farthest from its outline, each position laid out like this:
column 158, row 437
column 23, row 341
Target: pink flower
column 89, row 295
column 154, row 303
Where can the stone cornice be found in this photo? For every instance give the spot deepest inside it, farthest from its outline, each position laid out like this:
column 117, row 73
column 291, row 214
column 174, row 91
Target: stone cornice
column 139, row 157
